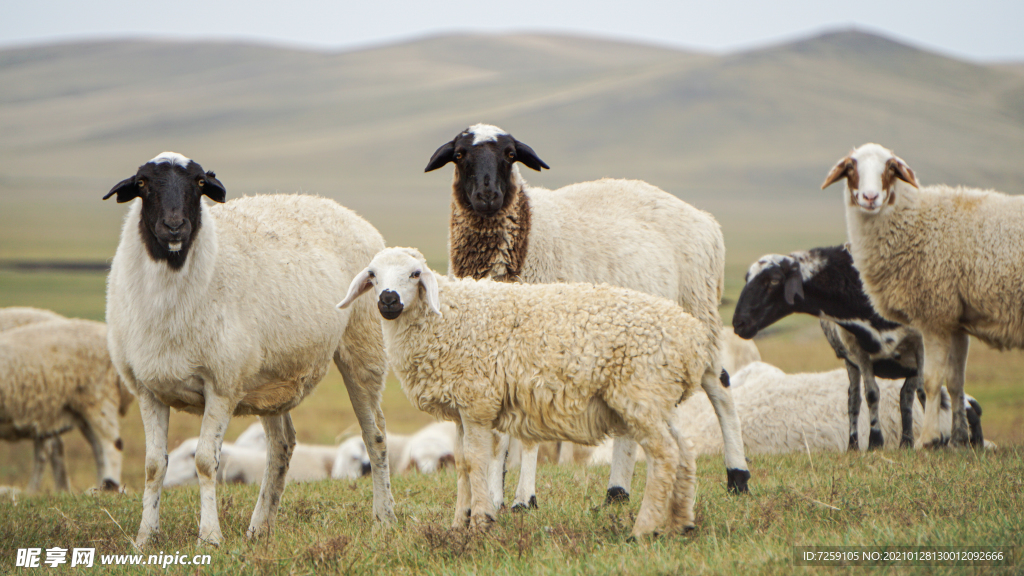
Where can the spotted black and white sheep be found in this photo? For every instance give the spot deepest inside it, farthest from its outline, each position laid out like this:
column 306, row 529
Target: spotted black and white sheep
column 948, row 262
column 823, row 282
column 620, row 232
column 542, row 362
column 227, row 309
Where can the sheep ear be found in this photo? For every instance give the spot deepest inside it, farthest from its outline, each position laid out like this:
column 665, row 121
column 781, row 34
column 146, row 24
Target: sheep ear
column 125, row 189
column 213, row 189
column 528, row 157
column 897, row 168
column 794, row 287
column 429, row 283
column 442, row 156
column 360, row 284
column 843, row 169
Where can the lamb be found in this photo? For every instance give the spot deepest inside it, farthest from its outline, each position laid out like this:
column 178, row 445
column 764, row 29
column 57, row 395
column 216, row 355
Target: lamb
column 948, row 262
column 351, row 460
column 55, row 375
column 823, row 282
column 225, row 310
column 626, row 233
column 790, row 413
column 543, row 362
column 243, row 463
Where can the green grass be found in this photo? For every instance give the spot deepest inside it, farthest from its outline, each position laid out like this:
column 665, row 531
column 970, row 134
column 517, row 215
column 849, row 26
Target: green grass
column 946, row 498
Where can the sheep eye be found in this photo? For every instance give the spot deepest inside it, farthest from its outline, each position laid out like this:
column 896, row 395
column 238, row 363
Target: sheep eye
column 141, row 183
column 775, row 281
column 415, row 274
column 458, row 155
column 202, row 183
column 511, row 154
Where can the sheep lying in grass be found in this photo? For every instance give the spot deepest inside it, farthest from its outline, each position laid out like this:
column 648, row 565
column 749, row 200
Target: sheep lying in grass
column 226, row 310
column 948, row 262
column 542, row 362
column 56, row 375
column 792, row 413
column 622, row 232
column 428, row 450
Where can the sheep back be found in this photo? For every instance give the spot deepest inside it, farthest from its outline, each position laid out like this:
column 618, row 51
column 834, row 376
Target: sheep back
column 15, row 316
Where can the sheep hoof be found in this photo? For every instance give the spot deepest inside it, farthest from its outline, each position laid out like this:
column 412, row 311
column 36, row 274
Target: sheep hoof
column 687, row 529
column 854, row 444
column 875, row 440
column 616, row 494
column 907, row 442
column 738, row 480
column 523, row 507
column 110, row 485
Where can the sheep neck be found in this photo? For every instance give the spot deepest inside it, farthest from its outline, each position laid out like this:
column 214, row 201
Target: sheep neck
column 489, row 246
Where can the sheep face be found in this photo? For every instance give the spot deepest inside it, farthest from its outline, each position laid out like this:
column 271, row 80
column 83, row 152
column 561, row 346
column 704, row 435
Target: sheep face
column 773, row 284
column 871, row 172
column 352, row 461
column 170, row 186
column 399, row 278
column 485, row 158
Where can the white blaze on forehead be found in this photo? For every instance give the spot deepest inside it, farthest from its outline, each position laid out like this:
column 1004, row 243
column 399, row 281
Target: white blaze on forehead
column 485, row 133
column 871, row 162
column 809, row 265
column 171, row 158
column 766, row 261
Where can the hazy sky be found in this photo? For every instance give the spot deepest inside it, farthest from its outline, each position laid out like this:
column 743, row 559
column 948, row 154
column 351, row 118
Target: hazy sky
column 977, row 29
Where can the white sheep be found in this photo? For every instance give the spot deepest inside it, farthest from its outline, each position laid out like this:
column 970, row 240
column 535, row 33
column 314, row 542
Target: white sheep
column 56, row 375
column 542, row 362
column 14, row 316
column 622, row 232
column 790, row 413
column 226, row 310
column 244, row 463
column 948, row 262
column 428, row 450
column 737, row 352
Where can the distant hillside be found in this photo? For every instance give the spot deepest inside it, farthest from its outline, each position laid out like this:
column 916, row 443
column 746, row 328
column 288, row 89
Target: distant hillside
column 729, row 133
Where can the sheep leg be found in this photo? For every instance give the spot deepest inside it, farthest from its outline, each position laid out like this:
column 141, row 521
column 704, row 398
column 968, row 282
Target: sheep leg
column 478, row 442
column 685, row 488
column 526, row 490
column 216, row 415
column 907, row 393
column 463, row 488
column 871, row 394
column 280, row 446
column 937, row 360
column 40, row 455
column 853, row 405
column 496, row 469
column 566, row 453
column 154, row 423
column 102, row 435
column 365, row 385
column 621, row 476
column 955, row 386
column 55, row 451
column 732, row 432
column 662, row 470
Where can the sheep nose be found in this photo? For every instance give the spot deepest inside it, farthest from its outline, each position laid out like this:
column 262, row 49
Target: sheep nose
column 870, row 196
column 175, row 224
column 389, row 298
column 366, row 468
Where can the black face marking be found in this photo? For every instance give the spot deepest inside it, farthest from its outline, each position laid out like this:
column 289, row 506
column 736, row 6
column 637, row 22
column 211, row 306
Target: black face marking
column 483, row 171
column 170, row 206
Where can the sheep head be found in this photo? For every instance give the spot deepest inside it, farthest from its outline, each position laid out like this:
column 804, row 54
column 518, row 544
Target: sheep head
column 773, row 284
column 486, row 178
column 871, row 172
column 399, row 278
column 170, row 186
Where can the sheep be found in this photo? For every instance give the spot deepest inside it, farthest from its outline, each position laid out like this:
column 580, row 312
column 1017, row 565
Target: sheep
column 14, row 316
column 737, row 352
column 243, row 464
column 789, row 413
column 428, row 450
column 823, row 282
column 55, row 375
column 542, row 362
column 626, row 233
column 220, row 310
column 948, row 262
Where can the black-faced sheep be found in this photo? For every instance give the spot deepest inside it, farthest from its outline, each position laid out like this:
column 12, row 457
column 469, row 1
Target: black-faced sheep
column 226, row 310
column 621, row 232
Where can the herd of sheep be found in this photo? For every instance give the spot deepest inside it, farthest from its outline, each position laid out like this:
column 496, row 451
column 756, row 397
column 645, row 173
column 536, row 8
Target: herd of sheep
column 586, row 315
